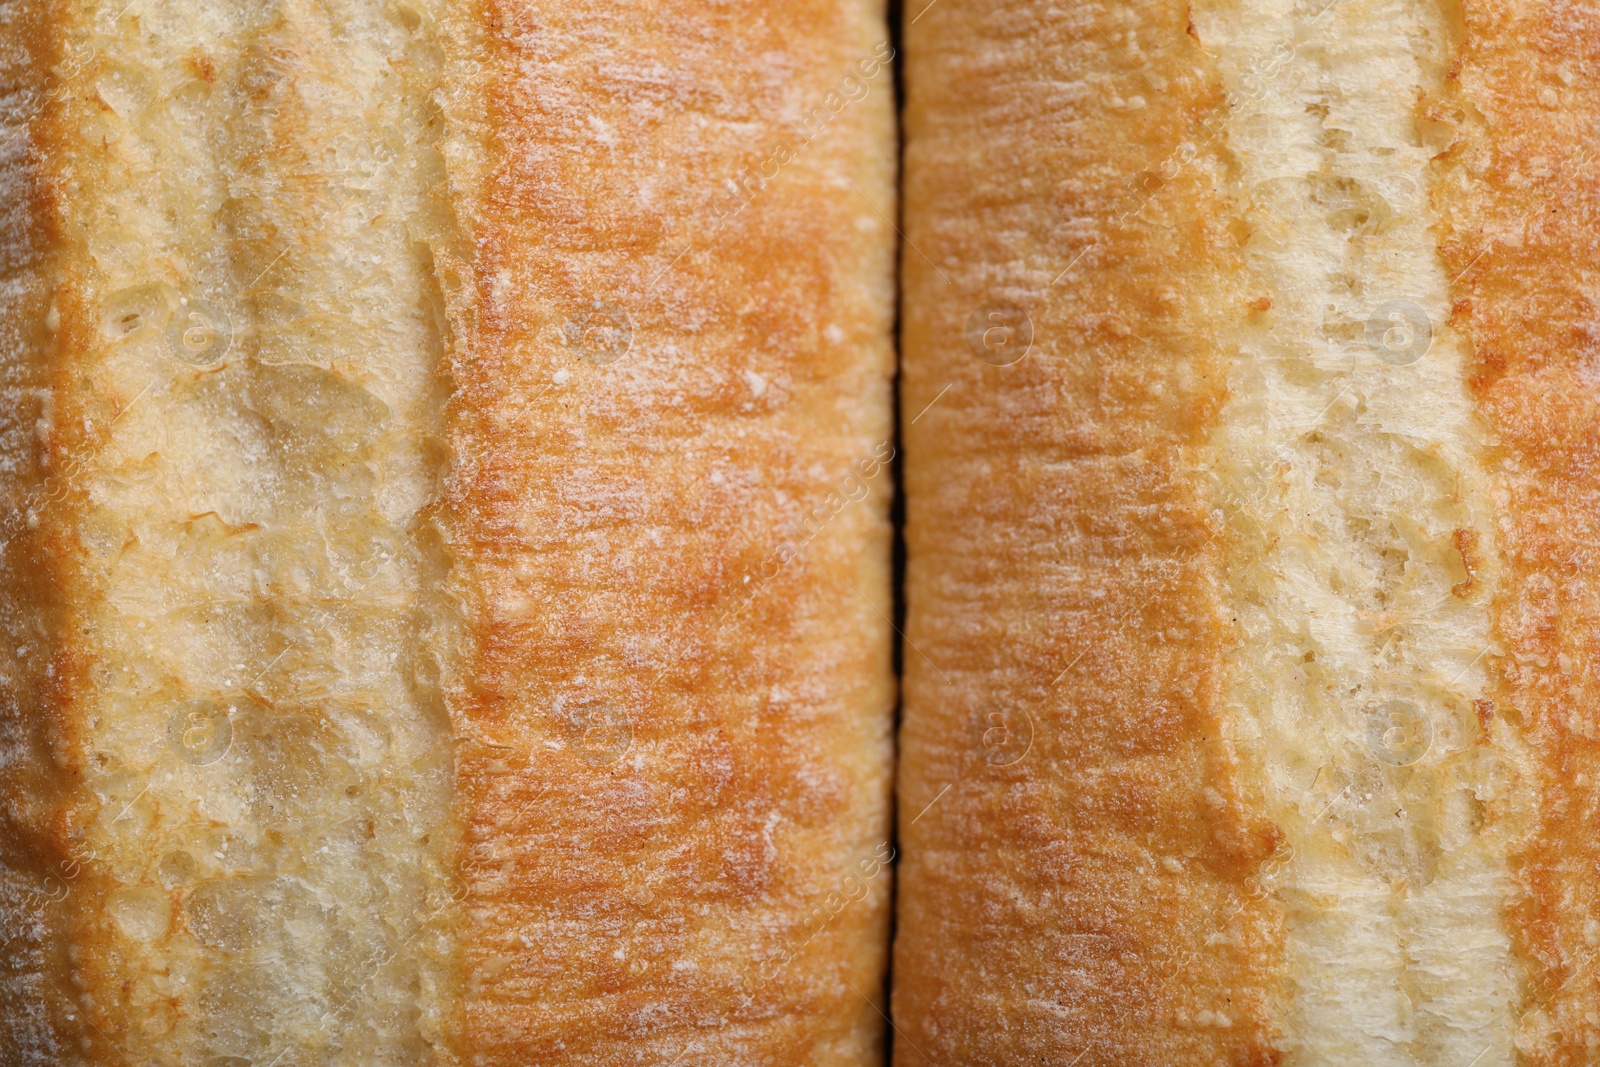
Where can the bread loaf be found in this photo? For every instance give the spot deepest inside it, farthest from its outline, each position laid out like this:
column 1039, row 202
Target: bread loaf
column 410, row 656
column 1251, row 432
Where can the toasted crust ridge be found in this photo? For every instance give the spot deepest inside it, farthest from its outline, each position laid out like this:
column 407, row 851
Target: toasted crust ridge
column 1518, row 192
column 1077, row 835
column 668, row 521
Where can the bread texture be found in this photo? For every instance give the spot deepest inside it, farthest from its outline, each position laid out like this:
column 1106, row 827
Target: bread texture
column 636, row 561
column 444, row 570
column 1249, row 478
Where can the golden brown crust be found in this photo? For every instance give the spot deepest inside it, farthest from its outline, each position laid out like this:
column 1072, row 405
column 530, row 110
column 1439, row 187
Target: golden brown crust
column 36, row 869
column 1089, row 899
column 673, row 707
column 1395, row 544
column 693, row 537
column 1519, row 192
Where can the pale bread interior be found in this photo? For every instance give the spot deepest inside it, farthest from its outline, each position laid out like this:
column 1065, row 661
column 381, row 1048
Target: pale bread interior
column 266, row 734
column 1350, row 466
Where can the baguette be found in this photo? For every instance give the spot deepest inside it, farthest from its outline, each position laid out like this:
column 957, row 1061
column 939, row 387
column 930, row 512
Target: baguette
column 401, row 400
column 1251, row 472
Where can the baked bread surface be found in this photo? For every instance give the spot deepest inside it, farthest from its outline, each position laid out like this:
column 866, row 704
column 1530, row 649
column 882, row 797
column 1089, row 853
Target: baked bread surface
column 401, row 423
column 1245, row 719
column 1063, row 707
column 687, row 541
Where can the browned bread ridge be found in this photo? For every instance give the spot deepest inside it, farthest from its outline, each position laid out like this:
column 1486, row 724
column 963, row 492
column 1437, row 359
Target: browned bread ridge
column 444, row 565
column 1251, row 431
